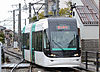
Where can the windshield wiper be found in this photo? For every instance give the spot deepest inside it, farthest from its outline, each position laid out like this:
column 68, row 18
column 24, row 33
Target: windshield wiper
column 58, row 45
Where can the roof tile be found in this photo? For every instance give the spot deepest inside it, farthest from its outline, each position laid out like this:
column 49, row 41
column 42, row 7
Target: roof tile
column 89, row 13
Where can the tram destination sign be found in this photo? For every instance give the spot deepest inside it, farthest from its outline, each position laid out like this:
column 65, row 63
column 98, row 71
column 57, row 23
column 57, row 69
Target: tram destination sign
column 63, row 27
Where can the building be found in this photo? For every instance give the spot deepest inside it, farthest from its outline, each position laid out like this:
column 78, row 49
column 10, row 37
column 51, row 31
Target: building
column 87, row 14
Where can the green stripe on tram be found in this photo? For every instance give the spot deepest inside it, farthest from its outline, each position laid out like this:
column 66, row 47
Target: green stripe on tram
column 23, row 31
column 57, row 49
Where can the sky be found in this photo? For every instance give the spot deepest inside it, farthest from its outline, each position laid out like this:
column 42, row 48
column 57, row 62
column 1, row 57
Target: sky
column 6, row 7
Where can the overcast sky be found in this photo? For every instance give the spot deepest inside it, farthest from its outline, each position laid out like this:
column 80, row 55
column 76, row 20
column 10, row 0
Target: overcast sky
column 5, row 6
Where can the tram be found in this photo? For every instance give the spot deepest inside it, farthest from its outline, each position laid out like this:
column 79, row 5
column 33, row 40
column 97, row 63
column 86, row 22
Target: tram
column 54, row 42
column 26, row 42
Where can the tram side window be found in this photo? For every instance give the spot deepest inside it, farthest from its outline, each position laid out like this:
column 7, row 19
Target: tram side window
column 27, row 44
column 46, row 41
column 25, row 40
column 33, row 40
column 37, row 41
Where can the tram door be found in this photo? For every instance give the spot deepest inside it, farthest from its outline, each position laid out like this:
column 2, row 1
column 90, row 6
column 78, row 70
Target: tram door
column 25, row 47
column 36, row 43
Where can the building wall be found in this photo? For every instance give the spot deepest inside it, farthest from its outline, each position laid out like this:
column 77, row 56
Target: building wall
column 89, row 34
column 90, row 44
column 78, row 2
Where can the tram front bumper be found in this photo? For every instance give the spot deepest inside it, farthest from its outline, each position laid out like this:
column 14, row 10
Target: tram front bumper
column 62, row 62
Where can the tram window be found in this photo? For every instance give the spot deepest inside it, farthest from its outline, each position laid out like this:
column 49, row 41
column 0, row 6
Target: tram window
column 25, row 40
column 33, row 40
column 37, row 41
column 27, row 43
column 46, row 41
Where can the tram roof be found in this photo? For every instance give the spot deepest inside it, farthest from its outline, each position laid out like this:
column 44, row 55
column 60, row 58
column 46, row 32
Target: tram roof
column 43, row 23
column 26, row 28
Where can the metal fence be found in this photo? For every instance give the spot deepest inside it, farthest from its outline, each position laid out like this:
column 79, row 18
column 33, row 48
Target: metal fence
column 91, row 59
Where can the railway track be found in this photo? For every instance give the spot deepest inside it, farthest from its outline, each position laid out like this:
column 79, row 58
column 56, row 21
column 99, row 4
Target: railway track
column 36, row 68
column 43, row 69
column 57, row 69
column 11, row 53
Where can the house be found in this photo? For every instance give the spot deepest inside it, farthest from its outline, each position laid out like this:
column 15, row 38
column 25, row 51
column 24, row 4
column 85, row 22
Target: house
column 87, row 15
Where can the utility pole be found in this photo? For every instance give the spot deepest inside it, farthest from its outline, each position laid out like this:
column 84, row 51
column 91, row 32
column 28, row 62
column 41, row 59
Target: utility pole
column 29, row 13
column 19, row 27
column 99, row 25
column 0, row 56
column 13, row 27
column 25, row 21
column 57, row 6
column 46, row 8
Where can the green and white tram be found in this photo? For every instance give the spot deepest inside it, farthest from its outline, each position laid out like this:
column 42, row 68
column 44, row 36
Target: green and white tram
column 54, row 42
column 26, row 42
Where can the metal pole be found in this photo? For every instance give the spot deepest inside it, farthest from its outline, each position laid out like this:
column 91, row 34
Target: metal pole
column 29, row 13
column 97, row 65
column 19, row 27
column 25, row 21
column 46, row 8
column 30, row 68
column 37, row 16
column 0, row 56
column 86, row 60
column 99, row 25
column 57, row 5
column 13, row 27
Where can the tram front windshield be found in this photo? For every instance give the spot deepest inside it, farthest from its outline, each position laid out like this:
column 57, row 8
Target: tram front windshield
column 63, row 40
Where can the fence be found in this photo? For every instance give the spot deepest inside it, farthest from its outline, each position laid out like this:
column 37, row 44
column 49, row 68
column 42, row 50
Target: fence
column 91, row 58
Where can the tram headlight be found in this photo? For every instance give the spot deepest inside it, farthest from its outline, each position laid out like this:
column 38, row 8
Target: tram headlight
column 53, row 55
column 76, row 54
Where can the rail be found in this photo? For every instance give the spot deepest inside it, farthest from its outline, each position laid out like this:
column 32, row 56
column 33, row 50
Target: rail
column 91, row 58
column 11, row 53
column 16, row 66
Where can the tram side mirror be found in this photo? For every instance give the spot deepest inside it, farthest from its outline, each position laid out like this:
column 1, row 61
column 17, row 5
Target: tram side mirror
column 48, row 46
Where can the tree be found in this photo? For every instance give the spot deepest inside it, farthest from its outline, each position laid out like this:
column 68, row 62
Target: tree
column 65, row 12
column 69, row 4
column 34, row 18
